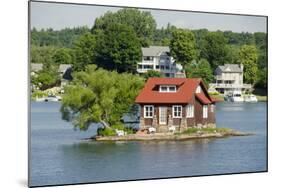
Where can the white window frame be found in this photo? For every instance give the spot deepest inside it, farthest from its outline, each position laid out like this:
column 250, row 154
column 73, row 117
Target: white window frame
column 190, row 111
column 205, row 111
column 198, row 89
column 144, row 111
column 168, row 88
column 173, row 111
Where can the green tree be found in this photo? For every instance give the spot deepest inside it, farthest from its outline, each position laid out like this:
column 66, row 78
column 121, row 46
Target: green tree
column 142, row 22
column 63, row 56
column 84, row 51
column 152, row 73
column 262, row 78
column 248, row 57
column 214, row 49
column 183, row 46
column 118, row 48
column 200, row 69
column 99, row 96
column 42, row 55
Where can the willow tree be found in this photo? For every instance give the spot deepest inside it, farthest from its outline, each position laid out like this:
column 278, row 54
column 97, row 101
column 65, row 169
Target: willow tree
column 99, row 96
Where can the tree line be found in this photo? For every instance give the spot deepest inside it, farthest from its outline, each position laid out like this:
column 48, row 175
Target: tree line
column 115, row 40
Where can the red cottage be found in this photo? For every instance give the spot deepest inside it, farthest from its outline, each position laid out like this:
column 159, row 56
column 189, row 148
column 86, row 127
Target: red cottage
column 175, row 102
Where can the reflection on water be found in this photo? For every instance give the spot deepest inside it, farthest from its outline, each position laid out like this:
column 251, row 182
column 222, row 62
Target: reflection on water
column 59, row 156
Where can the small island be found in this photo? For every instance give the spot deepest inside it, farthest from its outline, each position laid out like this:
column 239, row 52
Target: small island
column 190, row 133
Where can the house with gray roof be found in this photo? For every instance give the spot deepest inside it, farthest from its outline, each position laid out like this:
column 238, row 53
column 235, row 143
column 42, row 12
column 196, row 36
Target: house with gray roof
column 229, row 77
column 158, row 58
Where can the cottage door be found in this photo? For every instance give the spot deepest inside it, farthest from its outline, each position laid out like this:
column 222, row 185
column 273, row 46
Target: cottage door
column 162, row 115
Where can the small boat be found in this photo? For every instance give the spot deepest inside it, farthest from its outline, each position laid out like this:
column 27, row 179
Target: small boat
column 235, row 96
column 250, row 98
column 52, row 98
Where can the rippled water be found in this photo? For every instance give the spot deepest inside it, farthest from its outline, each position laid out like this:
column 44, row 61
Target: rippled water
column 59, row 156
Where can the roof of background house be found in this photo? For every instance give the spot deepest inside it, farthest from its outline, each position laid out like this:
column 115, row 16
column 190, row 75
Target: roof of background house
column 186, row 89
column 231, row 68
column 154, row 50
column 35, row 67
column 64, row 67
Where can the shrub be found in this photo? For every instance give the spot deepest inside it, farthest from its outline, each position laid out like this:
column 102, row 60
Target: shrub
column 111, row 131
column 106, row 132
column 118, row 126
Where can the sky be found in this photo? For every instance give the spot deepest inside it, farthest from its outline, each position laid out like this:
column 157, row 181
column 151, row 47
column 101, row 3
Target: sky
column 59, row 16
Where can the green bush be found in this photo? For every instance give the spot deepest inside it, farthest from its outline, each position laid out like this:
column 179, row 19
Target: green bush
column 118, row 126
column 111, row 131
column 106, row 132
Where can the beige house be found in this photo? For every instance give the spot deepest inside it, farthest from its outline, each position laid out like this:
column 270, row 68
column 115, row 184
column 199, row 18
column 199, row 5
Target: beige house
column 228, row 78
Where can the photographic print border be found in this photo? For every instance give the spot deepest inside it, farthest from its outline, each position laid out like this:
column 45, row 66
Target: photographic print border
column 145, row 8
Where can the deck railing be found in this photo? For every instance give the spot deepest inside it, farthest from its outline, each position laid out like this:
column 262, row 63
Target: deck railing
column 230, row 86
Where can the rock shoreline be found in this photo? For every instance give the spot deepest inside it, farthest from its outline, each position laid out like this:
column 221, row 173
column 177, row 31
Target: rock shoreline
column 167, row 136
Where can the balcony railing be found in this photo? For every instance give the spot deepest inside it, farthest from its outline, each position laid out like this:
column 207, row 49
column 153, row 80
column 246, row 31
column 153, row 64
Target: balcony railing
column 230, row 86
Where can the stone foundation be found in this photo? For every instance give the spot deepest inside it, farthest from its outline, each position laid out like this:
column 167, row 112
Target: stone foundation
column 164, row 128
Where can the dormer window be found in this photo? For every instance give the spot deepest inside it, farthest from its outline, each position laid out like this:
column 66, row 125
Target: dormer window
column 167, row 88
column 198, row 89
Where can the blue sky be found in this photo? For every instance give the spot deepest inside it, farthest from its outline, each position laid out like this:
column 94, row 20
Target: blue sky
column 58, row 16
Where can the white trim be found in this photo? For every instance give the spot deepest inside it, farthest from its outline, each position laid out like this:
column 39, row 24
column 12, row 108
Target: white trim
column 168, row 88
column 173, row 111
column 165, row 115
column 144, row 111
column 205, row 111
column 190, row 111
column 198, row 89
column 212, row 108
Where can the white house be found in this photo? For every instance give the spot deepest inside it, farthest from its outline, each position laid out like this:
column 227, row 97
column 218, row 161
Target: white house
column 158, row 58
column 228, row 78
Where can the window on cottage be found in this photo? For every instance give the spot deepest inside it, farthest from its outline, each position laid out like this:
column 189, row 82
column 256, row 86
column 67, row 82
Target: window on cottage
column 157, row 66
column 205, row 111
column 167, row 88
column 172, row 88
column 190, row 111
column 148, row 111
column 163, row 88
column 177, row 111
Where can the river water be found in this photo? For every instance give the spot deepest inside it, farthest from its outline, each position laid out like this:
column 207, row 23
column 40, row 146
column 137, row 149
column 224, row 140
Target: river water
column 59, row 156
